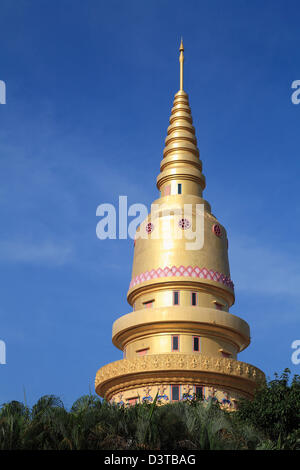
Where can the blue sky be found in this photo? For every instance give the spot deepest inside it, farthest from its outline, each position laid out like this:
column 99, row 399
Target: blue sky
column 90, row 87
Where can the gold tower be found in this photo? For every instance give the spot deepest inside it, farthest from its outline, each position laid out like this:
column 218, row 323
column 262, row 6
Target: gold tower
column 180, row 339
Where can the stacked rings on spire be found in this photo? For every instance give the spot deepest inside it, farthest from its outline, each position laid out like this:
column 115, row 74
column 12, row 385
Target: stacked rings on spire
column 181, row 154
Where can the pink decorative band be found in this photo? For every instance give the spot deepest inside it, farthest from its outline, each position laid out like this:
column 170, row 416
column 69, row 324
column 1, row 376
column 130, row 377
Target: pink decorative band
column 196, row 272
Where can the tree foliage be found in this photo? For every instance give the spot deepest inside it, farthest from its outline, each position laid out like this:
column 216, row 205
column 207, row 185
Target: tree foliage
column 269, row 421
column 275, row 410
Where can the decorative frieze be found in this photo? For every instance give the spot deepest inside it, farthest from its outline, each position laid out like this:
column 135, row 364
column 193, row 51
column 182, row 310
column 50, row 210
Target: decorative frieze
column 183, row 271
column 120, row 370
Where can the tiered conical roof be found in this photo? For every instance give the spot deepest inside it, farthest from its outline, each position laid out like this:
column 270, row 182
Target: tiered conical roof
column 181, row 154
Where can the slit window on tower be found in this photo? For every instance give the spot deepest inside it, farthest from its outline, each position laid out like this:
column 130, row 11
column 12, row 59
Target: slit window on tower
column 175, row 392
column 199, row 392
column 194, row 298
column 175, row 298
column 175, row 343
column 179, row 188
column 196, row 343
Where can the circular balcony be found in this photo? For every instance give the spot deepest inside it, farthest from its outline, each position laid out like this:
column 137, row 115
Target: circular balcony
column 196, row 320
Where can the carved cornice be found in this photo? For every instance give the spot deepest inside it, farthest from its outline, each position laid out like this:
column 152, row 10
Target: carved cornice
column 180, row 368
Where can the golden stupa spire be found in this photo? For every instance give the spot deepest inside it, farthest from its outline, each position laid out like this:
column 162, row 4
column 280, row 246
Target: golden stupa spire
column 181, row 162
column 180, row 340
column 181, row 60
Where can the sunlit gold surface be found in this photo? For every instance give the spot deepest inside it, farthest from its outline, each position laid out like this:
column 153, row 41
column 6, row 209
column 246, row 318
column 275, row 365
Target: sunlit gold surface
column 221, row 373
column 149, row 330
column 216, row 328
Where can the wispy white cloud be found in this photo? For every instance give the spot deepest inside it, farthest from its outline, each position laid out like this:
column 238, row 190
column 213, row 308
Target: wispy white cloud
column 268, row 270
column 46, row 253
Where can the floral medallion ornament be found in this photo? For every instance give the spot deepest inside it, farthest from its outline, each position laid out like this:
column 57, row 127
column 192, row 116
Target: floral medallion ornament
column 162, row 397
column 149, row 227
column 184, row 224
column 217, row 230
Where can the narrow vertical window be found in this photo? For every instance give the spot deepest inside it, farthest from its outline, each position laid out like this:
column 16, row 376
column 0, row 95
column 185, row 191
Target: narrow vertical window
column 196, row 343
column 179, row 188
column 175, row 343
column 175, row 298
column 194, row 298
column 199, row 392
column 175, row 392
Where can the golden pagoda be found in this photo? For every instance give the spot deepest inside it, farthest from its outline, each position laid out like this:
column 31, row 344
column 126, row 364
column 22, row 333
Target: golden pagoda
column 180, row 339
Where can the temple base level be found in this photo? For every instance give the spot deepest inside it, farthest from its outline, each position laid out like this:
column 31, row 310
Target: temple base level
column 178, row 377
column 170, row 393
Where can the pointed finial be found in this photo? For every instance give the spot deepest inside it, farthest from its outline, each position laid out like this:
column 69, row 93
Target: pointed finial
column 181, row 59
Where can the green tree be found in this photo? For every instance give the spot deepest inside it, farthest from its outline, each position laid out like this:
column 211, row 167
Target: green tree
column 275, row 409
column 269, row 421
